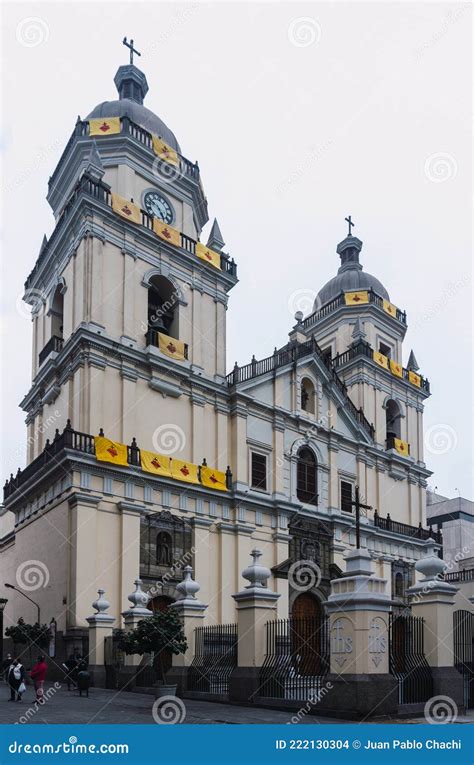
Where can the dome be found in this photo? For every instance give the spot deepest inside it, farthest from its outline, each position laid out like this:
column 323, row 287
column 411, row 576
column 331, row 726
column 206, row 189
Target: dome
column 132, row 87
column 350, row 275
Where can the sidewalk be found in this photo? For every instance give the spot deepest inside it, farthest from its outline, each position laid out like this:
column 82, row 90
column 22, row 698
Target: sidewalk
column 124, row 708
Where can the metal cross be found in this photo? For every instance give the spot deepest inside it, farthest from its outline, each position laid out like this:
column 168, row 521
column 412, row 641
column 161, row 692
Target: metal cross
column 358, row 507
column 349, row 219
column 132, row 49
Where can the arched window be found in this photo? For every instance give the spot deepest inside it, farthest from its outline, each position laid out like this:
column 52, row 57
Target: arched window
column 162, row 306
column 307, row 477
column 307, row 395
column 392, row 415
column 57, row 312
column 164, row 549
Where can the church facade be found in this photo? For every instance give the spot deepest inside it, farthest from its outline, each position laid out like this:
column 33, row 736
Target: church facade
column 145, row 454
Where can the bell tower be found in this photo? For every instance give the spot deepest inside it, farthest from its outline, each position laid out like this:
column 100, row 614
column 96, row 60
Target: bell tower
column 129, row 306
column 362, row 331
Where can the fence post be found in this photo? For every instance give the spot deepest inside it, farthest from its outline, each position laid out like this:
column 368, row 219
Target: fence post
column 192, row 613
column 433, row 599
column 358, row 609
column 256, row 604
column 131, row 617
column 100, row 627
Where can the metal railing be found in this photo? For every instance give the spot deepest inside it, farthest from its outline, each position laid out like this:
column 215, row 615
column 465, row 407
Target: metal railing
column 81, row 442
column 363, row 348
column 55, row 343
column 463, row 638
column 407, row 659
column 418, row 532
column 214, row 659
column 81, row 130
column 297, row 658
column 101, row 192
column 151, row 338
column 339, row 302
column 287, row 355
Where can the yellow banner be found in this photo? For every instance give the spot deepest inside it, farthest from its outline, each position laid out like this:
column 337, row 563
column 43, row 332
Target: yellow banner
column 104, row 126
column 126, row 209
column 184, row 471
column 401, row 446
column 356, row 298
column 396, row 368
column 388, row 307
column 380, row 359
column 414, row 378
column 208, row 255
column 155, row 463
column 167, row 233
column 165, row 152
column 214, row 479
column 110, row 451
column 171, row 347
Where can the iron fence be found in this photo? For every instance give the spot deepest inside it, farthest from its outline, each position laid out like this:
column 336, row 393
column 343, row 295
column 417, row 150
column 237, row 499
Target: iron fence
column 215, row 657
column 407, row 659
column 463, row 627
column 297, row 658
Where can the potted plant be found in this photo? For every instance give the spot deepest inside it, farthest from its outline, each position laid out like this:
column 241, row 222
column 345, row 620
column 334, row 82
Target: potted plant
column 155, row 635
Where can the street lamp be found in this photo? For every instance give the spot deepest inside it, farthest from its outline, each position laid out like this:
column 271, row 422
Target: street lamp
column 3, row 603
column 12, row 587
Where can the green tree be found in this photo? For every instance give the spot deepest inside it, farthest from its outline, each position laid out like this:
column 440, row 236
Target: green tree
column 35, row 636
column 158, row 633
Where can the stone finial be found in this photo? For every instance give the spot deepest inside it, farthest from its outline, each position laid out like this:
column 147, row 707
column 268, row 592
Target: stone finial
column 139, row 599
column 412, row 362
column 215, row 241
column 256, row 574
column 431, row 565
column 188, row 587
column 358, row 331
column 101, row 604
column 299, row 317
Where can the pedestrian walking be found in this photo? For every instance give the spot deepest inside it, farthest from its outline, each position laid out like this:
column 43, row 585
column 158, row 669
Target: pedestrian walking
column 16, row 680
column 71, row 675
column 38, row 675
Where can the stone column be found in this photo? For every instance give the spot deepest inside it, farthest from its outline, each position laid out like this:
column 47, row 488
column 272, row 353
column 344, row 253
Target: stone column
column 256, row 605
column 358, row 609
column 433, row 599
column 131, row 617
column 100, row 627
column 192, row 613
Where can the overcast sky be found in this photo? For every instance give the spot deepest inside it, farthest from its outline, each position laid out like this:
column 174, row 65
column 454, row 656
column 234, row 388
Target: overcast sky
column 299, row 114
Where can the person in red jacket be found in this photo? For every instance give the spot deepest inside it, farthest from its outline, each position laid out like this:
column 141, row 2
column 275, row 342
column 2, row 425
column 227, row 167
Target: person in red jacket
column 38, row 675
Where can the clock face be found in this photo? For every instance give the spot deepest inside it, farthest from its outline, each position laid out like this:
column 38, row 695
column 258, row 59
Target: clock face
column 156, row 205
